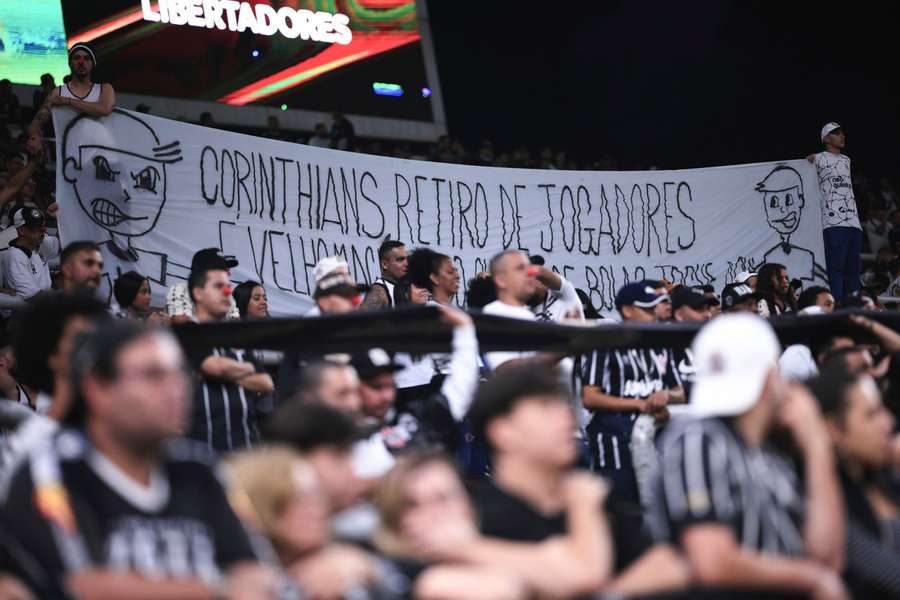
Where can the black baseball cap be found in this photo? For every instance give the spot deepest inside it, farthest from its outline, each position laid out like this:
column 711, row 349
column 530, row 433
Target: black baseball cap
column 685, row 296
column 374, row 361
column 212, row 258
column 735, row 294
column 28, row 216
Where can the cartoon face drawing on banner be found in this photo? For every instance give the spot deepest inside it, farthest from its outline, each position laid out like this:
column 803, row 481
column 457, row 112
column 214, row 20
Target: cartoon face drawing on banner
column 783, row 200
column 120, row 183
column 122, row 188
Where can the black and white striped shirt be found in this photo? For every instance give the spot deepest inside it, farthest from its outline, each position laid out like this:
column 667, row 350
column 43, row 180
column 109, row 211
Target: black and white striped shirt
column 631, row 373
column 708, row 475
column 224, row 414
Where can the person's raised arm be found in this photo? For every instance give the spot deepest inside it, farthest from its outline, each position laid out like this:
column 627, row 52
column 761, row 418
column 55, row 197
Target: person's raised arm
column 824, row 522
column 36, row 127
column 459, row 386
column 548, row 278
column 261, row 383
column 15, row 183
column 887, row 337
column 101, row 108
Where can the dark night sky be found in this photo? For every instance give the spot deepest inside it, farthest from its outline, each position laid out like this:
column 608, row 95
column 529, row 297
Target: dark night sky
column 673, row 84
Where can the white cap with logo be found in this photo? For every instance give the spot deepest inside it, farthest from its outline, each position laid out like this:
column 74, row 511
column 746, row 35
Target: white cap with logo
column 828, row 128
column 733, row 354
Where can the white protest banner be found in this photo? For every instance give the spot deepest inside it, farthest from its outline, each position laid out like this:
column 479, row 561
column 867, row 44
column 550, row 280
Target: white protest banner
column 153, row 191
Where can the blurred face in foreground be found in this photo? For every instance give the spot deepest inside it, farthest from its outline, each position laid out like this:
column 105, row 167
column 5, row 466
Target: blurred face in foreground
column 302, row 524
column 435, row 494
column 863, row 433
column 539, row 429
column 146, row 402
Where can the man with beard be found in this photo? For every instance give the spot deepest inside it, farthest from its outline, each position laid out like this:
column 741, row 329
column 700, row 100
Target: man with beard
column 81, row 267
column 393, row 260
column 80, row 94
column 110, row 506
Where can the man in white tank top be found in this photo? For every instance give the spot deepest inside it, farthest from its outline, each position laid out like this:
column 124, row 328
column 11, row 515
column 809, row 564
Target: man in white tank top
column 80, row 93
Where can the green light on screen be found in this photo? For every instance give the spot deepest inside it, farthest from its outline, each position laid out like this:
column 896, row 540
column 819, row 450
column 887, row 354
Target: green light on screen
column 32, row 41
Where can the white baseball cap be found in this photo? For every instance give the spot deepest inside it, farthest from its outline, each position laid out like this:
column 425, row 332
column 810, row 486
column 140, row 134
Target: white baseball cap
column 743, row 276
column 828, row 128
column 733, row 354
column 329, row 265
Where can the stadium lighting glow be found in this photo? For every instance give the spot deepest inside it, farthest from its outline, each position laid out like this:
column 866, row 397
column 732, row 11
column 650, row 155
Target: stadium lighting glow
column 387, row 89
column 365, row 45
column 426, row 92
column 261, row 19
column 255, row 53
column 284, row 107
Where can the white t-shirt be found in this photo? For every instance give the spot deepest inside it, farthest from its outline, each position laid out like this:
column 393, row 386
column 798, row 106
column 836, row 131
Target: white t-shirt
column 559, row 303
column 838, row 203
column 797, row 363
column 495, row 359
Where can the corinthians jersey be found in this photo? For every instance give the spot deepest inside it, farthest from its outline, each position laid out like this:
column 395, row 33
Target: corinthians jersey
column 70, row 508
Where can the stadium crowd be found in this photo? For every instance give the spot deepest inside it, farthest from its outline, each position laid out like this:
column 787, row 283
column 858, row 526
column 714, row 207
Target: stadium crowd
column 131, row 467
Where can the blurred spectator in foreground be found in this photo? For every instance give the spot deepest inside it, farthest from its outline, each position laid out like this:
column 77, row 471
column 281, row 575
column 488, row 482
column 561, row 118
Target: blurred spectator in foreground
column 861, row 428
column 80, row 267
column 80, row 94
column 95, row 496
column 42, row 335
column 325, row 436
column 230, row 384
column 533, row 496
column 250, row 298
column 320, row 138
column 428, row 528
column 278, row 495
column 342, row 133
column 731, row 505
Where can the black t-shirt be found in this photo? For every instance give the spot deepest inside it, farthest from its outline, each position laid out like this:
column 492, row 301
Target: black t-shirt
column 70, row 508
column 503, row 515
column 224, row 414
